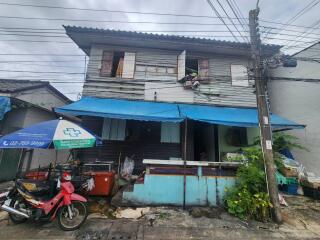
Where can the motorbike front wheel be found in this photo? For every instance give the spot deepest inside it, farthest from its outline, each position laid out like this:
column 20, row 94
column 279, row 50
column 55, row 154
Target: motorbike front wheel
column 79, row 213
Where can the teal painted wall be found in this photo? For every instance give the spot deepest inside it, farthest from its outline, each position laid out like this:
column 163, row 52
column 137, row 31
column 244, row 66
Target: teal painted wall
column 168, row 190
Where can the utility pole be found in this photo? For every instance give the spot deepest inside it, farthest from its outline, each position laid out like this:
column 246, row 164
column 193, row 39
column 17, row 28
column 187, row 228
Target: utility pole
column 263, row 113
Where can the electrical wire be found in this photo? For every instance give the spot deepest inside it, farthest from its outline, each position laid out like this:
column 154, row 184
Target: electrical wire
column 221, row 19
column 317, row 23
column 242, row 18
column 110, row 21
column 300, row 13
column 132, row 12
column 106, row 10
column 61, row 31
column 230, row 19
column 243, row 25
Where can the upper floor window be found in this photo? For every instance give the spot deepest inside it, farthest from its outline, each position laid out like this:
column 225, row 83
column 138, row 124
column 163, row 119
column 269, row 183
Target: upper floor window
column 117, row 64
column 239, row 75
column 200, row 67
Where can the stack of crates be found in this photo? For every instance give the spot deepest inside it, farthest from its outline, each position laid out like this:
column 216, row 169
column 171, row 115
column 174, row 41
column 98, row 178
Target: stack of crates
column 311, row 188
column 287, row 184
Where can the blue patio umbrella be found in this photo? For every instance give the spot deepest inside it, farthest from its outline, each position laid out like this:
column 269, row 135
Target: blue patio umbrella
column 57, row 134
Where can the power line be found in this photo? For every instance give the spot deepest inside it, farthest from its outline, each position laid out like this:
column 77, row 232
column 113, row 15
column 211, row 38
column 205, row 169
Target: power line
column 198, row 36
column 36, row 31
column 230, row 19
column 218, row 14
column 40, row 65
column 5, row 70
column 42, row 54
column 300, row 13
column 290, row 30
column 284, row 24
column 61, row 31
column 242, row 18
column 234, row 10
column 317, row 23
column 128, row 12
column 34, row 41
column 110, row 21
column 106, row 10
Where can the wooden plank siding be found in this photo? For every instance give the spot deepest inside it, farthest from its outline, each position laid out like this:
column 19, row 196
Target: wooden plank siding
column 160, row 67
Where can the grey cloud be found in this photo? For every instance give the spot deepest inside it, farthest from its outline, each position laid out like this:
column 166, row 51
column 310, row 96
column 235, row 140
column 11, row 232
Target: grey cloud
column 273, row 10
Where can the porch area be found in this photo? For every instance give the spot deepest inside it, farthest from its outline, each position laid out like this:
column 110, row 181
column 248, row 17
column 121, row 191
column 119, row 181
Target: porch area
column 182, row 153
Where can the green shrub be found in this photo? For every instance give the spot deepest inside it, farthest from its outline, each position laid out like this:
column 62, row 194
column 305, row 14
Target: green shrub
column 245, row 205
column 282, row 141
column 248, row 199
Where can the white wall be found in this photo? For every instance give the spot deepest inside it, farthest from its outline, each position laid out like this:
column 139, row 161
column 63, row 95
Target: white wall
column 300, row 102
column 306, row 69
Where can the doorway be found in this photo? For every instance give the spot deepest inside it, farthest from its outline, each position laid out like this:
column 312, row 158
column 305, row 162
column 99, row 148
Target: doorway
column 205, row 142
column 9, row 162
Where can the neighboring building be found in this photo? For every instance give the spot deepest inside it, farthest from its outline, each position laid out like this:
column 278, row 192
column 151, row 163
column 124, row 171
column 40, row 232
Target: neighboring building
column 295, row 94
column 27, row 103
column 137, row 98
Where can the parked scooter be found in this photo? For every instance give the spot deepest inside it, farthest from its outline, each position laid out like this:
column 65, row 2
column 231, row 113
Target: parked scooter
column 32, row 199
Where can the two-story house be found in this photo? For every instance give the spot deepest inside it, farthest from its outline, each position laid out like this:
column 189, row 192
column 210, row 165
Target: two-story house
column 163, row 99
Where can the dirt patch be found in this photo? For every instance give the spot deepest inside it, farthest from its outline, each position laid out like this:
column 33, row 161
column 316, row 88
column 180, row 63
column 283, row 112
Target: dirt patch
column 101, row 206
column 302, row 213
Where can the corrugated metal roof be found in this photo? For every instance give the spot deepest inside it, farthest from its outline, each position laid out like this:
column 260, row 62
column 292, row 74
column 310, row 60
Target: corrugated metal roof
column 156, row 36
column 13, row 85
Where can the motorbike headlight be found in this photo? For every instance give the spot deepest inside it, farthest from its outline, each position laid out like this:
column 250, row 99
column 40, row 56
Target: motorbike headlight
column 66, row 177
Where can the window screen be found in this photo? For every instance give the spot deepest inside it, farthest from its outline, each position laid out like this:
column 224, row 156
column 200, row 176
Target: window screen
column 170, row 132
column 114, row 129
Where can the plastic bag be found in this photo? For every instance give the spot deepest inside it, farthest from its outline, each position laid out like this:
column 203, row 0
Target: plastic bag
column 127, row 168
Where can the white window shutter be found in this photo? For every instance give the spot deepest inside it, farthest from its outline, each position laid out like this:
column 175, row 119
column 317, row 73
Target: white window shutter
column 239, row 75
column 129, row 65
column 181, row 65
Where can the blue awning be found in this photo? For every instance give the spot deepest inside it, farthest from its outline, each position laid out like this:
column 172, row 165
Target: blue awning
column 5, row 106
column 170, row 112
column 123, row 109
column 242, row 117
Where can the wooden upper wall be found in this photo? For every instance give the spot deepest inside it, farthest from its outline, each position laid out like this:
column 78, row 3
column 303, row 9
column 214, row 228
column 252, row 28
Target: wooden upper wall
column 147, row 82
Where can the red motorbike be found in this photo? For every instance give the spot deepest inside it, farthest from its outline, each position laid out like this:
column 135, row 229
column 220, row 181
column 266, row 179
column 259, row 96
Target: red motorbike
column 39, row 200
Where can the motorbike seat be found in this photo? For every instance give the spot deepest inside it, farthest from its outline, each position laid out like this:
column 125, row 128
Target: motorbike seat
column 34, row 188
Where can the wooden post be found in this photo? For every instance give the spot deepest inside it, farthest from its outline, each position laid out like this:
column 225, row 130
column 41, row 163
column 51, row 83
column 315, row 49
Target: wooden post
column 263, row 113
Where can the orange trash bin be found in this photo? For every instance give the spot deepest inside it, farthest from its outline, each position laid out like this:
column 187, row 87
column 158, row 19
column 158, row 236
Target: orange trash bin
column 103, row 183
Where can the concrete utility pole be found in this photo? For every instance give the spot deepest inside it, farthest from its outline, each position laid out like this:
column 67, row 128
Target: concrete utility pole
column 263, row 112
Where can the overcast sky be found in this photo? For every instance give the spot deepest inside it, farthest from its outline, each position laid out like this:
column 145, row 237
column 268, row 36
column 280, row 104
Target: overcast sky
column 70, row 69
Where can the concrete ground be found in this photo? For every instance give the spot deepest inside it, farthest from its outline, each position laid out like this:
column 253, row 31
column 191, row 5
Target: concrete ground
column 301, row 222
column 128, row 229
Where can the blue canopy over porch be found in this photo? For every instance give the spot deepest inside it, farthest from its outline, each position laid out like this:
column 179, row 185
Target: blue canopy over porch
column 171, row 112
